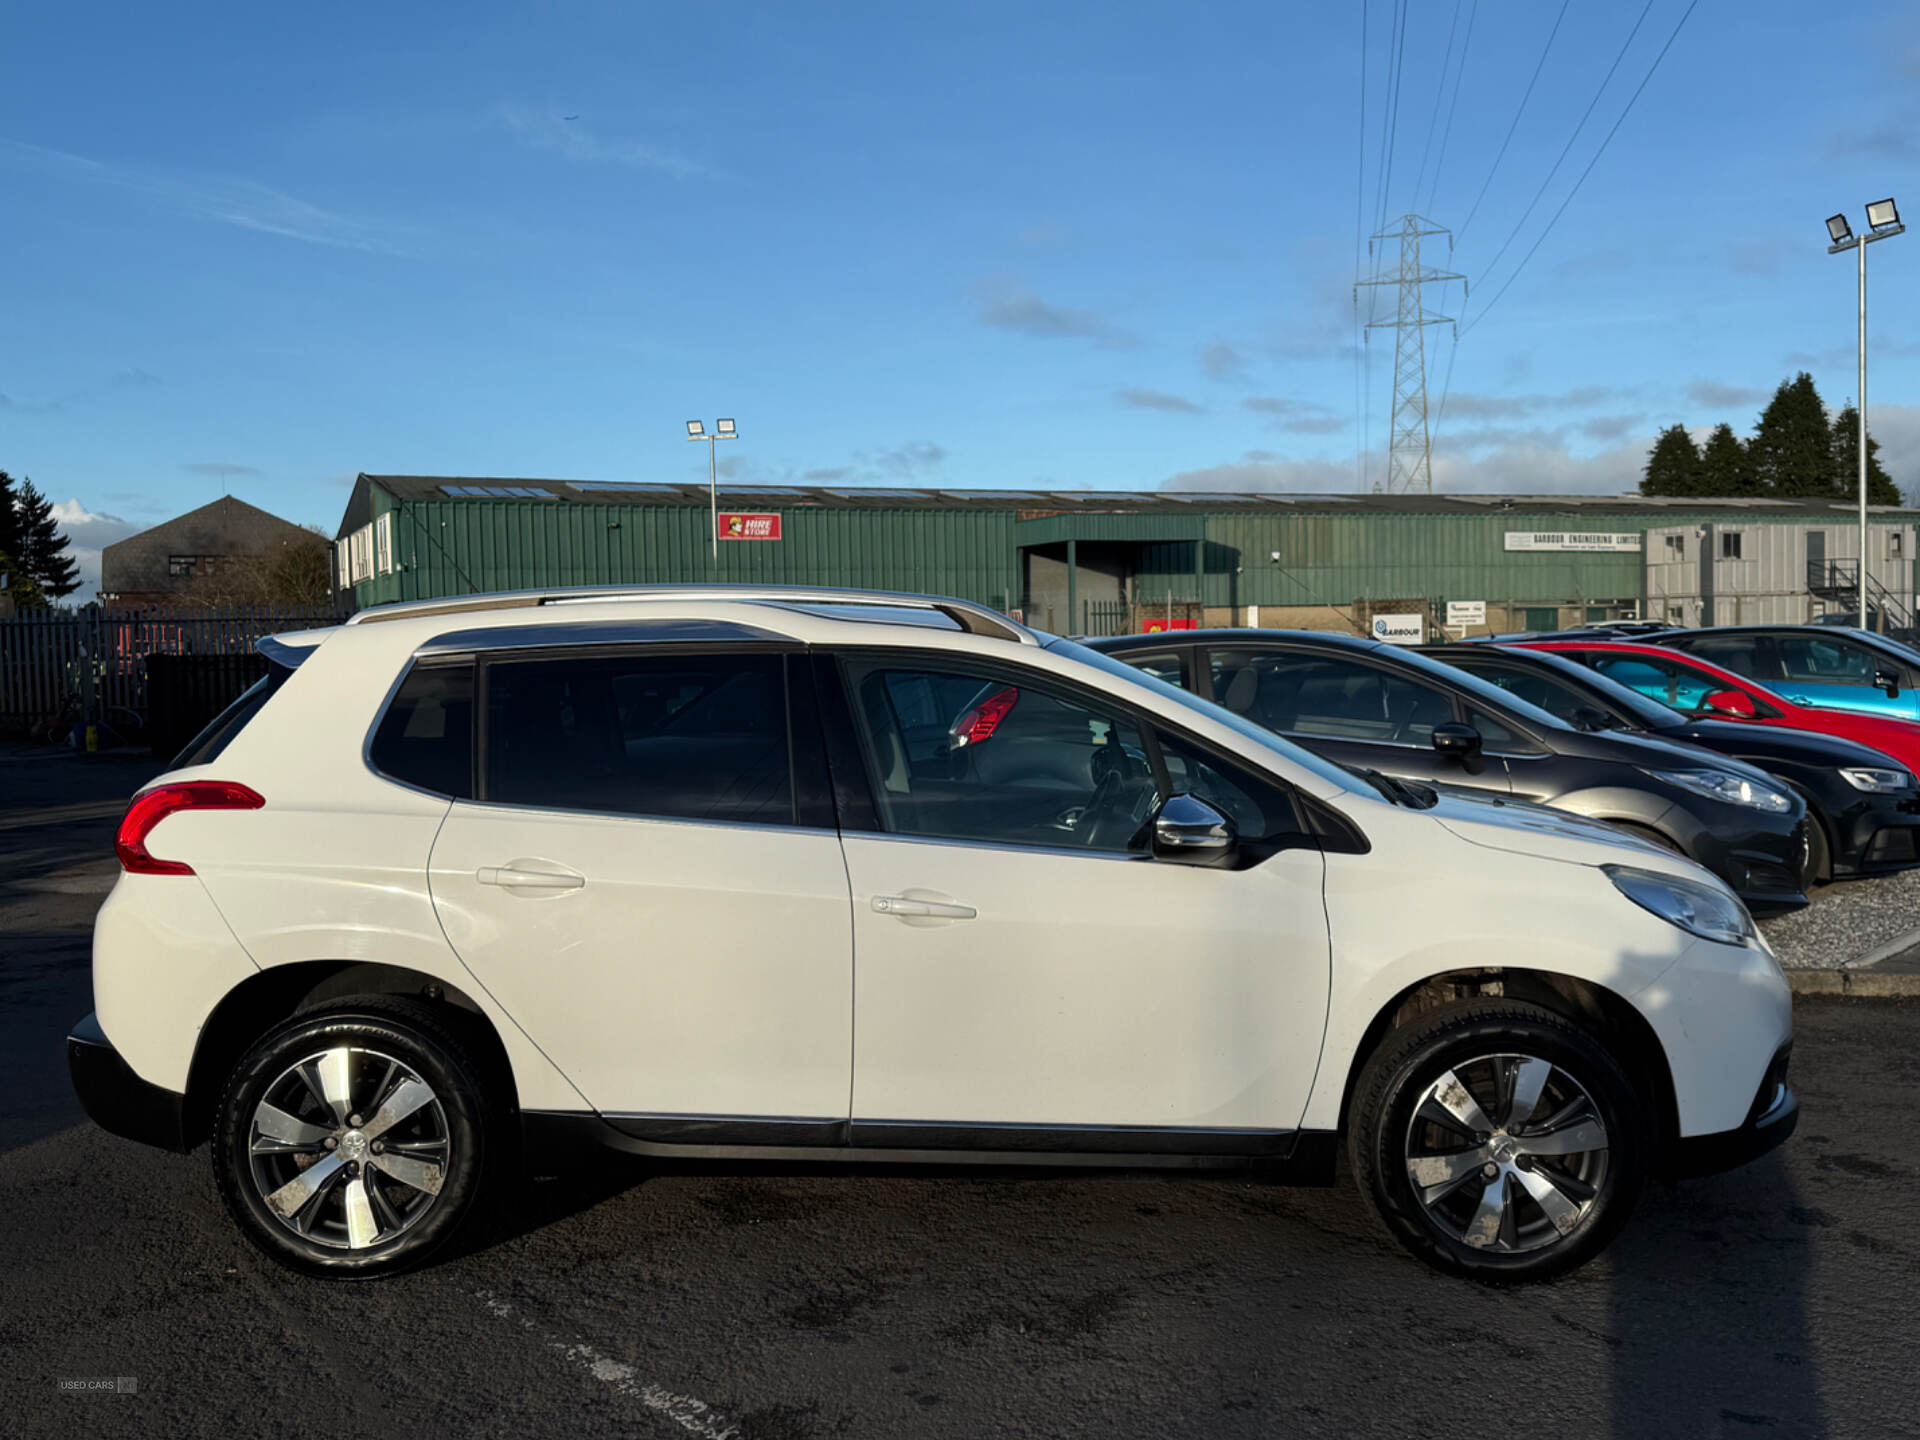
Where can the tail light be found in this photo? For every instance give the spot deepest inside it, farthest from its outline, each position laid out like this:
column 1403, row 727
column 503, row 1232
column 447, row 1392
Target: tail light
column 150, row 809
column 980, row 721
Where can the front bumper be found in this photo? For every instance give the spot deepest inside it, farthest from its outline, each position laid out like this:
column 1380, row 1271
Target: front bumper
column 1877, row 836
column 116, row 1099
column 1775, row 1114
column 1762, row 862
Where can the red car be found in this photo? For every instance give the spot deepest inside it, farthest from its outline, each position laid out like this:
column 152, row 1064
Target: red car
column 1695, row 687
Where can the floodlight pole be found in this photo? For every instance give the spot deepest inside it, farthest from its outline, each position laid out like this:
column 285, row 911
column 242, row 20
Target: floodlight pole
column 713, row 483
column 1860, row 242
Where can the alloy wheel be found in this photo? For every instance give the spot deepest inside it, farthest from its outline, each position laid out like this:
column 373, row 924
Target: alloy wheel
column 1506, row 1153
column 349, row 1148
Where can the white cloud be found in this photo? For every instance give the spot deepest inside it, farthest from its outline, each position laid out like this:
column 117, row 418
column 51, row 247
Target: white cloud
column 549, row 129
column 90, row 532
column 222, row 199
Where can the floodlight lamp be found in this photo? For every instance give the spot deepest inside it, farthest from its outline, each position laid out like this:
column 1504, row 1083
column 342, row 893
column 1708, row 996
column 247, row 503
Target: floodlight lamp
column 695, row 430
column 1839, row 229
column 725, row 427
column 1883, row 214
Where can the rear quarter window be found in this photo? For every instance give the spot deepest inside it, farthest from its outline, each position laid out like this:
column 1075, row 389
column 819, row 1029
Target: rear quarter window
column 426, row 737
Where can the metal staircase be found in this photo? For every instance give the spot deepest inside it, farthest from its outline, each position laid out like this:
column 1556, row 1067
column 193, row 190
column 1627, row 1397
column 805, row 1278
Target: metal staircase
column 1836, row 584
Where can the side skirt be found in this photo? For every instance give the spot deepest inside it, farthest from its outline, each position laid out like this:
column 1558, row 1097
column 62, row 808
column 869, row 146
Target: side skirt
column 554, row 1138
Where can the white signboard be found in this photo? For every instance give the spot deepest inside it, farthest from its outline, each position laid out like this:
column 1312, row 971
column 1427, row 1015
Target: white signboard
column 1400, row 629
column 1466, row 612
column 1604, row 541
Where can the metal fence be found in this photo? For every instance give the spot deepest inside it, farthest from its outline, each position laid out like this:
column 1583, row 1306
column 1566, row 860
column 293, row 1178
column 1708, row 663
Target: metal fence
column 59, row 669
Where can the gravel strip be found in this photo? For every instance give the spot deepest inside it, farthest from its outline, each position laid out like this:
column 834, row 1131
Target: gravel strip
column 1847, row 922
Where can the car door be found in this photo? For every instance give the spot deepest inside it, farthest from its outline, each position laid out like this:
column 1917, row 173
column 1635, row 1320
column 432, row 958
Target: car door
column 1355, row 710
column 647, row 884
column 1026, row 974
column 1835, row 673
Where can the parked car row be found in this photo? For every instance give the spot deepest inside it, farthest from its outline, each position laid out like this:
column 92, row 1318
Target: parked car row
column 1773, row 795
column 801, row 875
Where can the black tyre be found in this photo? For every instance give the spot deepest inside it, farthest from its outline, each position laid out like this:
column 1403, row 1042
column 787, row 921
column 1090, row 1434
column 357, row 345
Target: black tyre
column 352, row 1141
column 1498, row 1140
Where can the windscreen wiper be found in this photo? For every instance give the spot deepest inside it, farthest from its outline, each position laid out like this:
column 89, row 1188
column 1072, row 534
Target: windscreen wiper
column 1402, row 792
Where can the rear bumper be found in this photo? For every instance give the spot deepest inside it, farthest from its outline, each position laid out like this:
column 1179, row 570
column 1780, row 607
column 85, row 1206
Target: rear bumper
column 1774, row 1116
column 116, row 1099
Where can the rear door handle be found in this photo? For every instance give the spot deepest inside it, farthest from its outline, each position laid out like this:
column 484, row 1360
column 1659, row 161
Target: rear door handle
column 529, row 879
column 932, row 909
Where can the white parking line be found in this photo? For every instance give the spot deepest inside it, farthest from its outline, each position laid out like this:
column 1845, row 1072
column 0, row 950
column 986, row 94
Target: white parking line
column 694, row 1416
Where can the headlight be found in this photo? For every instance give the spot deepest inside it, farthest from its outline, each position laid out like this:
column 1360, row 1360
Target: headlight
column 1697, row 909
column 1877, row 782
column 1727, row 786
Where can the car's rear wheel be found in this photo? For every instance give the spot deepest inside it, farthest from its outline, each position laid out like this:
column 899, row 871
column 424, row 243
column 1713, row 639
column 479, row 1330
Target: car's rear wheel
column 352, row 1141
column 1498, row 1139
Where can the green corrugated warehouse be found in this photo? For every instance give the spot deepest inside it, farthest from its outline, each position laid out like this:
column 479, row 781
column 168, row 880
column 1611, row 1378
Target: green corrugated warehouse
column 1080, row 561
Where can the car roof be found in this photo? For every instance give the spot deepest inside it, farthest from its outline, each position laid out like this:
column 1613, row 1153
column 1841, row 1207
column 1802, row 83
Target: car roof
column 1161, row 639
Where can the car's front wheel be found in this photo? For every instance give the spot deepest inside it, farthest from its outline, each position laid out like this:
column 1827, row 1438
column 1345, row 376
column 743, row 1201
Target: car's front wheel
column 1498, row 1139
column 352, row 1141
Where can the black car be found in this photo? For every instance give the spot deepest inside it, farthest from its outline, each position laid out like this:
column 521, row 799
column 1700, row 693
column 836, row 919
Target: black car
column 1865, row 805
column 1380, row 707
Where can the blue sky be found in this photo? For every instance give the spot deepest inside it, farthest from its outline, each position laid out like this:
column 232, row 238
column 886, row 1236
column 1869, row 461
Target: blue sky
column 1105, row 245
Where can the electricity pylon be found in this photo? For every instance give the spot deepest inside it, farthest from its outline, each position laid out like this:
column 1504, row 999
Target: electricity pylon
column 1409, row 450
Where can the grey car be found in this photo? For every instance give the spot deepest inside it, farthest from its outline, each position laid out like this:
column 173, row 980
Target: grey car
column 1388, row 710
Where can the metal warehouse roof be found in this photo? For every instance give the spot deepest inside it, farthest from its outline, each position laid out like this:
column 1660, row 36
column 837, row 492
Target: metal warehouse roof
column 1042, row 501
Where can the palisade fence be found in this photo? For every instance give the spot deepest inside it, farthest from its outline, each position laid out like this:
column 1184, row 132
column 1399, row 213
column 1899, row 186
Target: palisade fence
column 139, row 676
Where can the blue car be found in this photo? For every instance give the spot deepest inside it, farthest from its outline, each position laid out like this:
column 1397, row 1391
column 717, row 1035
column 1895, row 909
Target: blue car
column 1831, row 666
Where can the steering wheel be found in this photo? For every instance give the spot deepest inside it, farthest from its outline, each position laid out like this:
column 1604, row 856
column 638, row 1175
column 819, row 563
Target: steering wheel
column 1112, row 816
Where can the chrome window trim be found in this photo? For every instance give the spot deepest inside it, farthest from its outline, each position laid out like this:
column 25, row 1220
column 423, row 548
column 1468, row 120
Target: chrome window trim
column 579, row 633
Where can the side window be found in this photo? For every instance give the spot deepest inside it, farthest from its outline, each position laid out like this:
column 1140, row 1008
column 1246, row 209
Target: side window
column 674, row 736
column 1816, row 660
column 1258, row 808
column 1548, row 692
column 1499, row 738
column 1341, row 699
column 961, row 754
column 1162, row 665
column 426, row 736
column 1673, row 685
column 1738, row 653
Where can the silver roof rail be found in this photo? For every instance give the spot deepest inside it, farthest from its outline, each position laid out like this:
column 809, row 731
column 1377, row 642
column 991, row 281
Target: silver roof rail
column 972, row 618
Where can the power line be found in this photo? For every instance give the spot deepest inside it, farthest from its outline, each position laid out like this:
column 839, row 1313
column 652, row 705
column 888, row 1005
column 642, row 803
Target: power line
column 1545, row 49
column 1567, row 149
column 1468, row 328
column 1459, row 76
column 1439, row 94
column 1391, row 133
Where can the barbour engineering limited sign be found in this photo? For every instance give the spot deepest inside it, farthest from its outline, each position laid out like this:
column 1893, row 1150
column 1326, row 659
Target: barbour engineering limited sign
column 1603, row 541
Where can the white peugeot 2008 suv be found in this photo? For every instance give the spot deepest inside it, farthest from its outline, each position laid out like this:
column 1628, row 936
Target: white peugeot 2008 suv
column 804, row 875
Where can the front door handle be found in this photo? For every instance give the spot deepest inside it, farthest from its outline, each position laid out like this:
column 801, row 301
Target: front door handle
column 905, row 906
column 518, row 879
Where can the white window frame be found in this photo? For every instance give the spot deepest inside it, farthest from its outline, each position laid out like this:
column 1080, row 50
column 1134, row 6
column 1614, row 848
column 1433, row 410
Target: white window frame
column 383, row 544
column 343, row 565
column 361, row 543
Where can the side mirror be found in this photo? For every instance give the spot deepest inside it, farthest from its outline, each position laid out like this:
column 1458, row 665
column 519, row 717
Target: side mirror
column 1887, row 681
column 1589, row 717
column 1730, row 702
column 1188, row 831
column 1459, row 742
